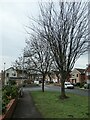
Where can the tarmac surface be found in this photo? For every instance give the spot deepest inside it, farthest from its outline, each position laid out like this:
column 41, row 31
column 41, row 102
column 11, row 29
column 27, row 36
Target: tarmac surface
column 25, row 107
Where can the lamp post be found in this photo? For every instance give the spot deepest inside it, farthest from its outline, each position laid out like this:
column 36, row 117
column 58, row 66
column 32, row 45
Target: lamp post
column 4, row 73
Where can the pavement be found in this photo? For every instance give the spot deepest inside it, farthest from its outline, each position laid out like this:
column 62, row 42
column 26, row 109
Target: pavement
column 25, row 107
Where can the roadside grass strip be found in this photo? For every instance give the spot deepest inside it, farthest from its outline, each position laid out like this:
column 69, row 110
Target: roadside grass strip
column 51, row 106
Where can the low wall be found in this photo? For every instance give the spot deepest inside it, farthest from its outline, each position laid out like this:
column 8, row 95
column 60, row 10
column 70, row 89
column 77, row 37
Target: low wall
column 10, row 109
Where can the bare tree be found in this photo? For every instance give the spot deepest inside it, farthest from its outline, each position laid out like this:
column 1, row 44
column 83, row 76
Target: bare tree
column 39, row 56
column 18, row 64
column 64, row 27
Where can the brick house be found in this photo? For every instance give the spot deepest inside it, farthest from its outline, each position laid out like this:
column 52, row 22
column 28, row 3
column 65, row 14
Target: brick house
column 77, row 76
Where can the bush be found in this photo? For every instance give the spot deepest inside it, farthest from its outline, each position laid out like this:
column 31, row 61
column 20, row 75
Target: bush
column 14, row 92
column 5, row 101
column 87, row 86
column 78, row 84
column 82, row 84
column 8, row 93
column 11, row 82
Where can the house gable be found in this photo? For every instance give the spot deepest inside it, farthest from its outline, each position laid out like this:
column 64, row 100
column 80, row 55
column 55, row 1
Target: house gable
column 75, row 71
column 10, row 72
column 77, row 75
column 81, row 71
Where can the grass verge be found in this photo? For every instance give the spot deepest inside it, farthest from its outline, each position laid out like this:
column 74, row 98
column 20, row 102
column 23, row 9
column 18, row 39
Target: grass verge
column 50, row 106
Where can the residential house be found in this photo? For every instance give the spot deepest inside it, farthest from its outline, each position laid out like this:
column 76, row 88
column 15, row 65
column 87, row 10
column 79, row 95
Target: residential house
column 13, row 74
column 77, row 75
column 9, row 74
column 21, row 76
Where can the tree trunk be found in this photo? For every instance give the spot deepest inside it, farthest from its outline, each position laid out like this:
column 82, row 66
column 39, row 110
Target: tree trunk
column 50, row 77
column 63, row 95
column 58, row 79
column 62, row 89
column 43, row 83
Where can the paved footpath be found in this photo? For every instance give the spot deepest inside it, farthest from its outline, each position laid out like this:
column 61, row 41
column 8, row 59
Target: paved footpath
column 25, row 107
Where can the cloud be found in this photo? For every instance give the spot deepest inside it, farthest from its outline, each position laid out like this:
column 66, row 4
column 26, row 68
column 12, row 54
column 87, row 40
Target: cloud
column 24, row 1
column 13, row 17
column 8, row 60
column 82, row 62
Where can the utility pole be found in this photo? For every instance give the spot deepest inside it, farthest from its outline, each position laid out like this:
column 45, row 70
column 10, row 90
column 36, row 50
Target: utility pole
column 4, row 74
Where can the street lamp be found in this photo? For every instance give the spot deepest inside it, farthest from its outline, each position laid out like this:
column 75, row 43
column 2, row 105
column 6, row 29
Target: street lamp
column 4, row 73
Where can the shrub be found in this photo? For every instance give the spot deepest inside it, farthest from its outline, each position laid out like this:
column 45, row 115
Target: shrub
column 14, row 92
column 82, row 84
column 5, row 100
column 11, row 82
column 78, row 84
column 8, row 93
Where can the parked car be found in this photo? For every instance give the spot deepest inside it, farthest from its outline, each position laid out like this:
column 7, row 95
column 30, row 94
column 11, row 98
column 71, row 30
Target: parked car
column 36, row 82
column 68, row 85
column 87, row 86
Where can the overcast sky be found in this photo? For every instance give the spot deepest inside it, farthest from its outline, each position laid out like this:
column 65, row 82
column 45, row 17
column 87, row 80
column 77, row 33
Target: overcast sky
column 13, row 18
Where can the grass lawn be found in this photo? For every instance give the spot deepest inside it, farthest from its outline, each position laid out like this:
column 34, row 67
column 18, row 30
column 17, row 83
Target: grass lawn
column 51, row 106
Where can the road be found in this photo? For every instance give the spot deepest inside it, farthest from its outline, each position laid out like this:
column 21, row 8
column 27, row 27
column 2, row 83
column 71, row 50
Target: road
column 82, row 92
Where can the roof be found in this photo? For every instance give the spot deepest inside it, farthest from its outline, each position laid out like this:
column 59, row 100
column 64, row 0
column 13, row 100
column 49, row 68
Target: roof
column 9, row 68
column 81, row 70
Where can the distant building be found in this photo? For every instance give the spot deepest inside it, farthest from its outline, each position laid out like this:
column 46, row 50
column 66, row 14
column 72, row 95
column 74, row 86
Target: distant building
column 12, row 74
column 77, row 75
